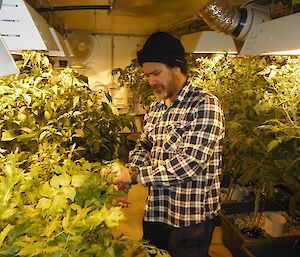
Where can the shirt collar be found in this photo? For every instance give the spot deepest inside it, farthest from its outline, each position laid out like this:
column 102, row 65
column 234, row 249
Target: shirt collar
column 181, row 96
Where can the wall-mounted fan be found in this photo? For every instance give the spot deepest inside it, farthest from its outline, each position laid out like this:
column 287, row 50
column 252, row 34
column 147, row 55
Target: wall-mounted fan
column 82, row 46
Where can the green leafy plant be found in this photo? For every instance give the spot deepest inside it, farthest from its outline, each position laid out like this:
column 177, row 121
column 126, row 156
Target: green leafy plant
column 244, row 87
column 283, row 99
column 55, row 207
column 40, row 105
column 134, row 77
column 54, row 201
column 51, row 205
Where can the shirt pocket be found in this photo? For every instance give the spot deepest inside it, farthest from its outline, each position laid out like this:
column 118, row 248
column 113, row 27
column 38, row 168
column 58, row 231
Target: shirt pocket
column 173, row 137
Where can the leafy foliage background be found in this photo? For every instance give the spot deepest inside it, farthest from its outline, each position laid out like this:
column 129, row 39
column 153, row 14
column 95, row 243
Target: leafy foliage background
column 260, row 97
column 40, row 106
column 55, row 200
column 133, row 76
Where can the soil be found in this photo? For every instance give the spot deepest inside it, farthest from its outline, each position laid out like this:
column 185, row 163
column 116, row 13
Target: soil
column 243, row 221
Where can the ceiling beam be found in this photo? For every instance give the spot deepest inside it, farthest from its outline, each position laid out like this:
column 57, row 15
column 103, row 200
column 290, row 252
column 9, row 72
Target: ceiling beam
column 74, row 8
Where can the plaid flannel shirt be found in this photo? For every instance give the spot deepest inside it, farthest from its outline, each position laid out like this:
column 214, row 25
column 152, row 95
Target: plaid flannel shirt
column 179, row 158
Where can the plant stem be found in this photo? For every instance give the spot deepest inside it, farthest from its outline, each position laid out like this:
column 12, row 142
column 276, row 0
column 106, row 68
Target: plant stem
column 256, row 207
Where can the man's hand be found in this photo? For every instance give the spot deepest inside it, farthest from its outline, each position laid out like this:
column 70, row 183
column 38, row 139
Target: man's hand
column 122, row 177
column 122, row 200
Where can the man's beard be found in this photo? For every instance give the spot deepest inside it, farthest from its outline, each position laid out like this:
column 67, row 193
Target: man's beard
column 164, row 92
column 160, row 93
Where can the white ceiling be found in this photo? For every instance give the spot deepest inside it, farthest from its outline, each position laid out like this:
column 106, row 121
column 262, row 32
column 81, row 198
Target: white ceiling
column 128, row 17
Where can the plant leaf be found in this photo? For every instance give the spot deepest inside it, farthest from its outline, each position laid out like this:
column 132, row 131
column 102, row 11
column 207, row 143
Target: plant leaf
column 4, row 233
column 8, row 135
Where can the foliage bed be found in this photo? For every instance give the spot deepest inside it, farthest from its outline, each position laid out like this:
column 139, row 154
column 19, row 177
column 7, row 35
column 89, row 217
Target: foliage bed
column 57, row 137
column 260, row 97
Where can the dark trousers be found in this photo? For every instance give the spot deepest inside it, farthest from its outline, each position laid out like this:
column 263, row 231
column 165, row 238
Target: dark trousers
column 192, row 241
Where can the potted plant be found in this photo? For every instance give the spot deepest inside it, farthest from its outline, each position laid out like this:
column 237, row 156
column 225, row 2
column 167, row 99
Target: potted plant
column 39, row 105
column 55, row 200
column 133, row 76
column 283, row 98
column 281, row 248
column 256, row 151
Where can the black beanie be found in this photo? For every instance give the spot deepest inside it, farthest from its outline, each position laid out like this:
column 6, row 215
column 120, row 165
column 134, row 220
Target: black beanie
column 164, row 48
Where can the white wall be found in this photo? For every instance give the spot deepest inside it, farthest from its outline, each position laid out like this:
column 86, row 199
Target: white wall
column 110, row 52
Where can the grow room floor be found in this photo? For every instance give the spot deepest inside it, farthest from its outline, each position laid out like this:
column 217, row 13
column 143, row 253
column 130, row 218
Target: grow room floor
column 132, row 227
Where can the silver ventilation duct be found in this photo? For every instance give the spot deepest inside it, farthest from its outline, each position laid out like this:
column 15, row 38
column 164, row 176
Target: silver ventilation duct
column 220, row 17
column 231, row 20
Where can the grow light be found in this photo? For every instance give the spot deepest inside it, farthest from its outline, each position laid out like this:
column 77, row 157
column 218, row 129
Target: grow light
column 60, row 42
column 275, row 37
column 22, row 28
column 7, row 63
column 208, row 42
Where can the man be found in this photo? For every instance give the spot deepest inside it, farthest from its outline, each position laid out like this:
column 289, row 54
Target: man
column 178, row 156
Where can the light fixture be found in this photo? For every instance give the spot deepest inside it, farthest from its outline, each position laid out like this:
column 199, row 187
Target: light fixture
column 280, row 36
column 208, row 42
column 7, row 63
column 60, row 42
column 69, row 48
column 22, row 28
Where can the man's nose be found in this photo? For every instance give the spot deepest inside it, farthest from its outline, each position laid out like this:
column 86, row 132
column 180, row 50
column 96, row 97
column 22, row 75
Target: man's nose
column 152, row 80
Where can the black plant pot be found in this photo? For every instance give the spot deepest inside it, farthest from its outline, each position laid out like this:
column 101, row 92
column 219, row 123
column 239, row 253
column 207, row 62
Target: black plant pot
column 283, row 248
column 233, row 238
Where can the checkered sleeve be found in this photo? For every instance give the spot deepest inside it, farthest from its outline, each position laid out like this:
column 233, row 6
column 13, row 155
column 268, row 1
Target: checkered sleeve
column 192, row 147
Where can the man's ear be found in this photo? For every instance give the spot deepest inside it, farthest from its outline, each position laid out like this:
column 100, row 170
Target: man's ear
column 177, row 69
